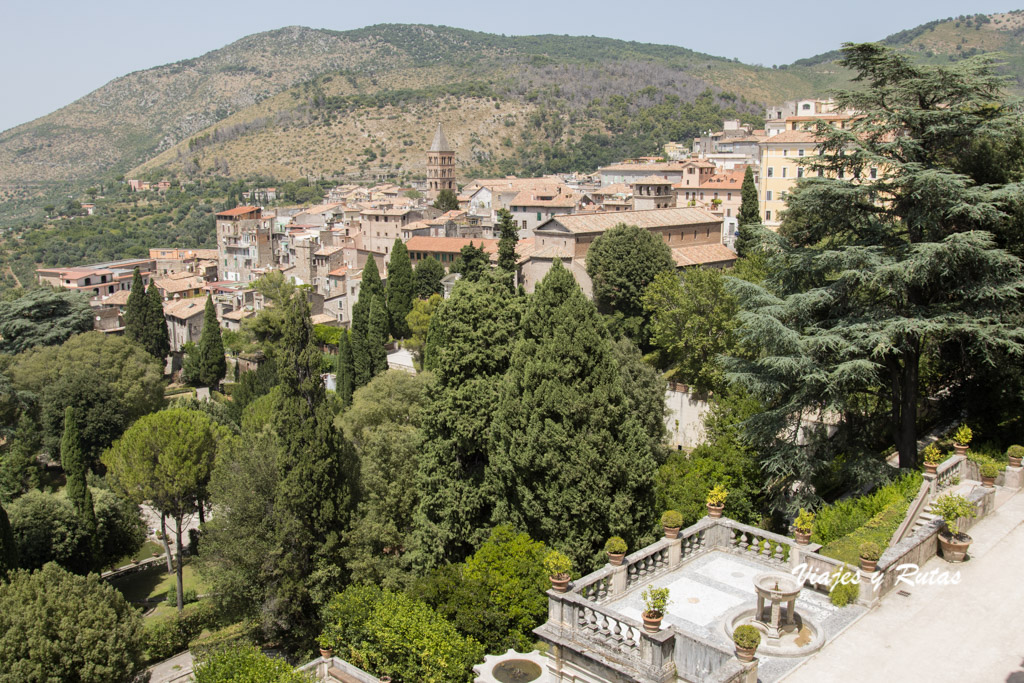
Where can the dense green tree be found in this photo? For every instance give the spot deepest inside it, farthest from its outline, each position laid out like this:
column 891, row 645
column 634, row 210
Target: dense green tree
column 749, row 213
column 429, row 272
column 166, row 458
column 136, row 312
column 158, row 338
column 418, row 321
column 377, row 336
column 385, row 424
column 692, row 323
column 621, row 263
column 19, row 469
column 382, row 631
column 42, row 317
column 245, row 664
column 55, row 626
column 316, row 492
column 212, row 364
column 109, row 381
column 866, row 277
column 400, row 289
column 446, row 201
column 370, row 282
column 472, row 262
column 251, row 385
column 507, row 244
column 72, row 460
column 8, row 549
column 571, row 462
column 468, row 349
column 344, row 377
column 362, row 350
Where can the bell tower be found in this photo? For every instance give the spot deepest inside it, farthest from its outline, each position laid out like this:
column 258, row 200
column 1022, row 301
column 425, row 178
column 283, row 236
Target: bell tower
column 440, row 165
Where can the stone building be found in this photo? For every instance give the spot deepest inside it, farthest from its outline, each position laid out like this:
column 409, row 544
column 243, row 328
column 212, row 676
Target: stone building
column 244, row 243
column 440, row 165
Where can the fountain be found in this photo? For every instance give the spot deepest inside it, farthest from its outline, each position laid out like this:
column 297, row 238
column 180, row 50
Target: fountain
column 511, row 667
column 786, row 633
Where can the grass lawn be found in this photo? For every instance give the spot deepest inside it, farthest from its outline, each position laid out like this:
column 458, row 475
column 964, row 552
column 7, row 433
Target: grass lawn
column 147, row 550
column 153, row 584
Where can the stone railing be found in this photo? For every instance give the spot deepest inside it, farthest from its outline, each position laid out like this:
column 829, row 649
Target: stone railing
column 914, row 510
column 949, row 471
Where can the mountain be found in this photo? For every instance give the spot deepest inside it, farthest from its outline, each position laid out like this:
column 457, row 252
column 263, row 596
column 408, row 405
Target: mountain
column 310, row 102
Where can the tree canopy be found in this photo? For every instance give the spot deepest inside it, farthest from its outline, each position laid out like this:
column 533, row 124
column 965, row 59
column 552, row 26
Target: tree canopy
column 42, row 317
column 429, row 272
column 212, row 364
column 749, row 213
column 446, row 201
column 400, row 290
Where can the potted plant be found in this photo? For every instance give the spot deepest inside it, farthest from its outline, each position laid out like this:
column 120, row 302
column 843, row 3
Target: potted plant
column 716, row 500
column 1014, row 454
column 961, row 439
column 746, row 639
column 671, row 523
column 558, row 567
column 932, row 458
column 989, row 472
column 326, row 648
column 655, row 602
column 616, row 549
column 869, row 554
column 952, row 508
column 802, row 527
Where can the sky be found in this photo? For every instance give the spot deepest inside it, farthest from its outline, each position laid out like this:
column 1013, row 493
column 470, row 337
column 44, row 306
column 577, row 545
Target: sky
column 57, row 51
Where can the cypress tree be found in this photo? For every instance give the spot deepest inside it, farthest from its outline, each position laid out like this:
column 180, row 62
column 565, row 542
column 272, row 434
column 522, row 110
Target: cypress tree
column 8, row 550
column 73, row 462
column 429, row 272
column 507, row 243
column 345, row 373
column 136, row 314
column 371, row 285
column 212, row 364
column 361, row 372
column 572, row 461
column 158, row 339
column 18, row 469
column 399, row 290
column 377, row 336
column 749, row 214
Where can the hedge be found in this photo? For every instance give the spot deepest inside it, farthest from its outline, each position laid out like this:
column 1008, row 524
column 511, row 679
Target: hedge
column 878, row 529
column 843, row 517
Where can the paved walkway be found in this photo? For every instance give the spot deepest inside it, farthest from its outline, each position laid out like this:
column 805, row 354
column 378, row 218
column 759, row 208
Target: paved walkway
column 177, row 668
column 973, row 631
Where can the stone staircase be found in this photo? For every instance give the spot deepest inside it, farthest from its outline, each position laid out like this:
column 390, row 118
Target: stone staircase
column 927, row 516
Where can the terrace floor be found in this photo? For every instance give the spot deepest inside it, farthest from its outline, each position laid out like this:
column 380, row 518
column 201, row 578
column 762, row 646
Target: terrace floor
column 970, row 631
column 704, row 590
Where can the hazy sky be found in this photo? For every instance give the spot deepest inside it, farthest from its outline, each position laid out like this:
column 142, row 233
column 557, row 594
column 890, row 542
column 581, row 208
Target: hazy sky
column 54, row 52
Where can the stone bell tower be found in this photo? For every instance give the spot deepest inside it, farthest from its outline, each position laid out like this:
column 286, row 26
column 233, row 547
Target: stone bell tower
column 440, row 165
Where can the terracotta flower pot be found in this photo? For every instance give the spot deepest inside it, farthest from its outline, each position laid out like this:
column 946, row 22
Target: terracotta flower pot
column 326, row 652
column 652, row 621
column 802, row 537
column 615, row 559
column 868, row 566
column 1014, row 462
column 559, row 583
column 958, row 449
column 745, row 654
column 954, row 549
column 715, row 511
column 931, row 468
column 671, row 531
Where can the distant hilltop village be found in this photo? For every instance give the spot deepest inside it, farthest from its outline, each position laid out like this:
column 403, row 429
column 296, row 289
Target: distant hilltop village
column 690, row 197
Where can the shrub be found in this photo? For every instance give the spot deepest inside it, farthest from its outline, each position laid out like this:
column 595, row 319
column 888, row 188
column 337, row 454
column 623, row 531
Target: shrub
column 1015, row 451
column 804, row 521
column 869, row 550
column 843, row 517
column 246, row 663
column 952, row 508
column 241, row 633
column 879, row 530
column 932, row 454
column 990, row 469
column 746, row 636
column 963, row 435
column 557, row 564
column 717, row 495
column 615, row 545
column 188, row 597
column 673, row 519
column 655, row 599
column 844, row 590
column 167, row 637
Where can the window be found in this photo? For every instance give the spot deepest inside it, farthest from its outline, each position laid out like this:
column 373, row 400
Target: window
column 538, row 215
column 728, row 213
column 728, row 195
column 800, row 152
column 768, row 195
column 767, row 215
column 874, row 173
column 800, row 172
column 771, row 172
column 842, row 174
column 784, row 169
column 821, row 173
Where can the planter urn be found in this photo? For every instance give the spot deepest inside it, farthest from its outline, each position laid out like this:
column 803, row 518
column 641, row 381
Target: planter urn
column 954, row 548
column 931, row 468
column 745, row 654
column 652, row 621
column 715, row 511
column 559, row 583
column 326, row 652
column 988, row 482
column 615, row 559
column 1014, row 462
column 868, row 566
column 671, row 531
column 802, row 537
column 959, row 449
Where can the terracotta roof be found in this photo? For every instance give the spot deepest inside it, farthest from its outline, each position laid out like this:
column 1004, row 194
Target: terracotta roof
column 239, row 211
column 338, row 272
column 184, row 309
column 240, row 314
column 118, row 298
column 662, row 166
column 532, row 248
column 546, row 198
column 652, row 180
column 651, row 218
column 327, row 251
column 171, row 285
column 615, row 188
column 729, row 180
column 704, row 254
column 792, row 136
column 449, row 245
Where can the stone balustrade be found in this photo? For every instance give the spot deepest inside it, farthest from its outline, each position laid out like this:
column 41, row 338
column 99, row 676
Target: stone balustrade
column 948, row 473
